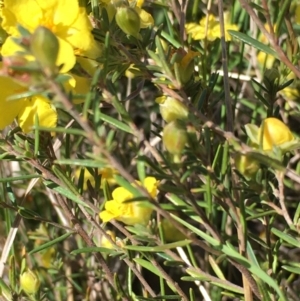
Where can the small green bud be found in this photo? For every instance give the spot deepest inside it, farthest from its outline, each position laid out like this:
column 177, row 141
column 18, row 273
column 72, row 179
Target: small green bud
column 172, row 108
column 175, row 137
column 129, row 21
column 44, row 46
column 29, row 282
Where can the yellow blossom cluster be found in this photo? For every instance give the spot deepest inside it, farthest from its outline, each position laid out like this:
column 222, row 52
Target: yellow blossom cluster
column 272, row 135
column 106, row 174
column 72, row 28
column 129, row 212
column 209, row 28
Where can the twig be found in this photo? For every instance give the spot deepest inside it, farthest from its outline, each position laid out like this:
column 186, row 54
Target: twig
column 170, row 280
column 197, row 282
column 280, row 177
column 281, row 55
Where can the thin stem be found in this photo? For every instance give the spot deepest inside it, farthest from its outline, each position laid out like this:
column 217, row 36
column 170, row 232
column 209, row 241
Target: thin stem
column 228, row 101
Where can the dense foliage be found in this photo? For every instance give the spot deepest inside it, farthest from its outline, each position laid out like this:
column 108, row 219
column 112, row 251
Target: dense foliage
column 149, row 150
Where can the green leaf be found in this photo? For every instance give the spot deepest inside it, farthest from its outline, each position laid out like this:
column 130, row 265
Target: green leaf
column 266, row 160
column 92, row 250
column 51, row 243
column 227, row 285
column 252, row 132
column 291, row 269
column 231, row 252
column 149, row 266
column 63, row 130
column 5, row 290
column 116, row 123
column 252, row 42
column 287, row 238
column 65, row 192
column 79, row 162
column 20, row 178
column 169, row 246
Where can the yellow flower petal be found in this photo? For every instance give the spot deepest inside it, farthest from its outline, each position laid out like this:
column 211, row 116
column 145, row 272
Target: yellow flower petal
column 146, row 19
column 79, row 86
column 138, row 3
column 130, row 213
column 121, row 194
column 12, row 108
column 68, row 21
column 79, row 33
column 265, row 59
column 209, row 28
column 105, row 242
column 26, row 13
column 60, row 13
column 106, row 216
column 274, row 132
column 47, row 257
column 151, row 184
column 66, row 57
column 9, row 48
column 40, row 106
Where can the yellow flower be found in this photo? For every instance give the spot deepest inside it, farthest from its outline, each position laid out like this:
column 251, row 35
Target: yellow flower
column 106, row 174
column 273, row 132
column 265, row 59
column 65, row 19
column 29, row 282
column 79, row 86
column 212, row 32
column 40, row 106
column 291, row 93
column 130, row 213
column 47, row 257
column 186, row 66
column 25, row 109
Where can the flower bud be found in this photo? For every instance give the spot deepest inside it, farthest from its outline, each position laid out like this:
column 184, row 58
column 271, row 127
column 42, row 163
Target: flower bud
column 110, row 10
column 247, row 166
column 105, row 242
column 171, row 108
column 129, row 21
column 45, row 46
column 175, row 137
column 273, row 132
column 171, row 233
column 186, row 66
column 29, row 282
